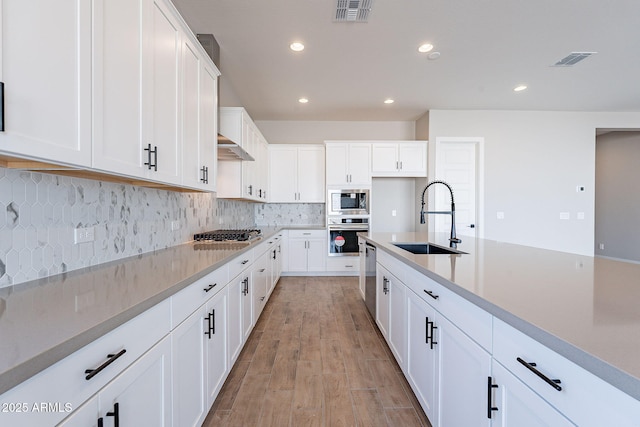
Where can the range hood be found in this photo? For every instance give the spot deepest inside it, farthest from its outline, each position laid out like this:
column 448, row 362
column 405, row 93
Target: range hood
column 229, row 150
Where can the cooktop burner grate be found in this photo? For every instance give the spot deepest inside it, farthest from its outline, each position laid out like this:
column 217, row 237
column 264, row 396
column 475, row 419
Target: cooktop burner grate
column 235, row 235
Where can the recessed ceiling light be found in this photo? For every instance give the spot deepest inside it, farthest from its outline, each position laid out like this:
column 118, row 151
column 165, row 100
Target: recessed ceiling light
column 389, row 101
column 303, row 100
column 433, row 56
column 296, row 46
column 424, row 48
column 519, row 88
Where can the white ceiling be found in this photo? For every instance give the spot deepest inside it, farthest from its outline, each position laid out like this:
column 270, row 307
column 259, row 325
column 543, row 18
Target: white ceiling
column 487, row 48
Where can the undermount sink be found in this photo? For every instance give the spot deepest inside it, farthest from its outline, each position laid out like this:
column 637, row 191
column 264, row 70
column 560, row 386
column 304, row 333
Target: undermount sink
column 427, row 248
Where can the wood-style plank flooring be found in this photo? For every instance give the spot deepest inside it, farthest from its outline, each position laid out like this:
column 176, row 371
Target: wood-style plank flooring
column 315, row 358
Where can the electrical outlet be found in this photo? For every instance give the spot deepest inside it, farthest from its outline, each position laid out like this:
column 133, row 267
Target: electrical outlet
column 565, row 215
column 175, row 225
column 500, row 215
column 394, row 212
column 601, row 246
column 83, row 235
column 580, row 215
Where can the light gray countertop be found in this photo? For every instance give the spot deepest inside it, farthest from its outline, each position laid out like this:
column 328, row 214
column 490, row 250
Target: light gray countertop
column 43, row 321
column 584, row 308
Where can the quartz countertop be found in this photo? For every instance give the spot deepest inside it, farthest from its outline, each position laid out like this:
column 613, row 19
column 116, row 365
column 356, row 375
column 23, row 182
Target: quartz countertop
column 584, row 308
column 43, row 321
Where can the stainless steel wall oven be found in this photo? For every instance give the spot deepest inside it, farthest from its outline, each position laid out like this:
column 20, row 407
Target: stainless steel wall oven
column 343, row 234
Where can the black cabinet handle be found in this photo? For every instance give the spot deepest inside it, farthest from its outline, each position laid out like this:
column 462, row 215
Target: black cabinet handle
column 430, row 336
column 244, row 262
column 245, row 289
column 100, row 422
column 211, row 324
column 110, row 359
column 1, row 106
column 531, row 366
column 426, row 330
column 274, row 254
column 490, row 407
column 431, row 294
column 205, row 175
column 385, row 285
column 115, row 414
column 149, row 163
column 208, row 288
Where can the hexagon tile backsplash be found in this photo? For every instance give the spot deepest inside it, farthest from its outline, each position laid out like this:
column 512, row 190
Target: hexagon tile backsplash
column 39, row 212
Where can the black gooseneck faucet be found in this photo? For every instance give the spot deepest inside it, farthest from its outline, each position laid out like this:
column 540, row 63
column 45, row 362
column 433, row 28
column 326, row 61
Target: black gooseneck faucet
column 453, row 239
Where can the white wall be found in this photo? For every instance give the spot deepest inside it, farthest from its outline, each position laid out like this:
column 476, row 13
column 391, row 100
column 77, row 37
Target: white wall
column 316, row 132
column 533, row 163
column 393, row 194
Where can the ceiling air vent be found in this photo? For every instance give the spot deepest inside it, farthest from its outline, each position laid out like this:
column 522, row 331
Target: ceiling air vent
column 573, row 58
column 353, row 10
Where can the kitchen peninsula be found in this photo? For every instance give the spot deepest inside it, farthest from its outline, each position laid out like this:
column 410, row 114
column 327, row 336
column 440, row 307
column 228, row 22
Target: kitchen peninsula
column 583, row 310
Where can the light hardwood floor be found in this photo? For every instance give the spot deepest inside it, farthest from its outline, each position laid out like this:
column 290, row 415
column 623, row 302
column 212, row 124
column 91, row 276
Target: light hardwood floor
column 315, row 358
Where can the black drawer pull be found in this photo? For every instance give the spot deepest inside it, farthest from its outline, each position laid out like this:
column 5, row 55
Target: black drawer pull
column 208, row 288
column 431, row 294
column 110, row 359
column 244, row 262
column 1, row 106
column 531, row 366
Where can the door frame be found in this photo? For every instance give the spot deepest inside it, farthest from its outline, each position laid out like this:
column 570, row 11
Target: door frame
column 479, row 191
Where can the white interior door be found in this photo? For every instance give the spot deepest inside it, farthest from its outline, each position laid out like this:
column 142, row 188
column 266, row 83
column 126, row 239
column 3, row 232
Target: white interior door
column 458, row 163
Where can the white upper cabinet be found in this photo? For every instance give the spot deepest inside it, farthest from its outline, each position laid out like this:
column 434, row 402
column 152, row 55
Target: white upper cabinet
column 393, row 158
column 243, row 179
column 137, row 45
column 296, row 173
column 45, row 58
column 199, row 121
column 348, row 164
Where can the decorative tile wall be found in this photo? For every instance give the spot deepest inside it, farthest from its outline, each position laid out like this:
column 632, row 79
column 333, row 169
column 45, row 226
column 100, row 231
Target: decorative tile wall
column 282, row 214
column 39, row 212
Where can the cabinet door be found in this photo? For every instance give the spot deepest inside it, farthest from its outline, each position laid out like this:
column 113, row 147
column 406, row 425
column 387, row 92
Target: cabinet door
column 141, row 395
column 297, row 253
column 188, row 372
column 316, row 254
column 398, row 320
column 215, row 337
column 384, row 160
column 283, row 174
column 518, row 406
column 199, row 98
column 310, row 174
column 117, row 95
column 45, row 52
column 412, row 159
column 359, row 164
column 247, row 307
column 161, row 66
column 336, row 164
column 382, row 300
column 422, row 354
column 464, row 368
column 234, row 318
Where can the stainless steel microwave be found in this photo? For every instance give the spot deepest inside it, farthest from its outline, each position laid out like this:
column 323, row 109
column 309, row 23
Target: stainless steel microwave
column 348, row 202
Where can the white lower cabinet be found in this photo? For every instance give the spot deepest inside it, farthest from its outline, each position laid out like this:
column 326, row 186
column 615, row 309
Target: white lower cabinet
column 139, row 396
column 391, row 312
column 215, row 336
column 513, row 404
column 260, row 284
column 445, row 367
column 307, row 250
column 240, row 313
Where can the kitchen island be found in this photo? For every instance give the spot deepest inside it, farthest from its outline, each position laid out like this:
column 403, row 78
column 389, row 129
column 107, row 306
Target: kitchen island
column 583, row 308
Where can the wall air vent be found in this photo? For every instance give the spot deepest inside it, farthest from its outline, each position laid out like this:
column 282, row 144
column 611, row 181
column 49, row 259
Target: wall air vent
column 573, row 58
column 353, row 10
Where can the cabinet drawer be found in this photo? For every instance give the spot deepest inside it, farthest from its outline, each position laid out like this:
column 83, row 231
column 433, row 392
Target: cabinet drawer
column 293, row 234
column 347, row 263
column 584, row 398
column 65, row 382
column 240, row 263
column 473, row 320
column 193, row 296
